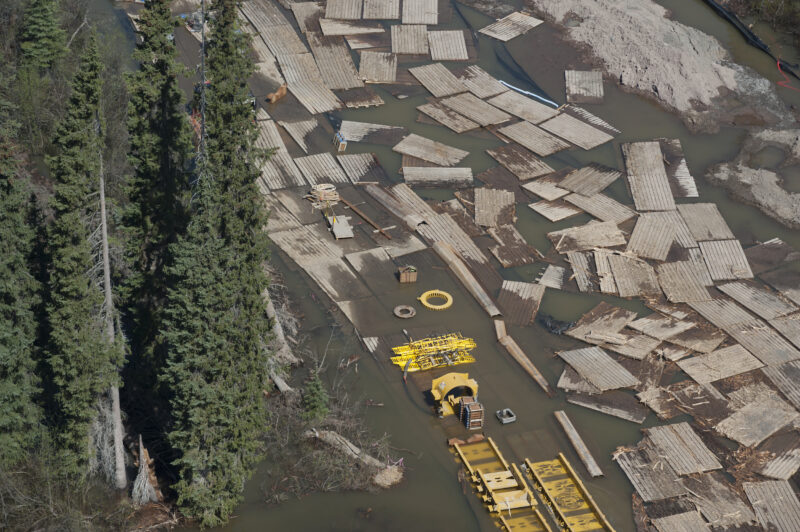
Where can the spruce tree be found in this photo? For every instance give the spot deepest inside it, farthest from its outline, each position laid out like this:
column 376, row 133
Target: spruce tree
column 81, row 361
column 160, row 145
column 216, row 326
column 42, row 40
column 19, row 415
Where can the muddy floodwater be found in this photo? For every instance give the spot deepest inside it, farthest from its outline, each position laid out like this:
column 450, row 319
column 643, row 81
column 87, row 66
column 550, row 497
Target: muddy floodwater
column 431, row 498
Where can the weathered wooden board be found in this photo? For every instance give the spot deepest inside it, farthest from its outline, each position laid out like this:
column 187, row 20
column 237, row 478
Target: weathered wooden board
column 381, row 9
column 523, row 107
column 493, row 207
column 437, row 79
column 520, row 301
column 680, row 179
column 652, row 478
column 589, row 236
column 584, row 86
column 576, row 131
column 634, row 278
column 438, row 177
column 374, row 133
column 321, row 168
column 775, row 503
column 720, row 364
column 553, row 277
column 430, row 150
column 632, row 344
column 512, row 249
column 756, row 421
column 590, row 179
column 789, row 327
column 555, row 210
column 409, row 39
column 546, row 188
column 420, row 12
column 442, row 228
column 601, row 207
column 600, row 323
column 604, row 274
column 300, row 130
column 705, row 222
column 725, row 260
column 577, row 442
column 343, row 9
column 520, row 162
column 362, row 167
column 612, row 403
column 448, row 117
column 685, row 522
column 510, row 26
column 377, row 67
column 279, row 171
column 651, row 237
column 786, row 377
column 481, row 83
column 476, row 109
column 680, row 445
column 448, row 45
column 770, row 255
column 338, row 28
column 681, row 282
column 307, row 15
column 647, row 177
column 534, row 138
column 717, row 501
column 660, row 326
column 581, row 263
column 305, row 83
column 758, row 299
column 597, row 367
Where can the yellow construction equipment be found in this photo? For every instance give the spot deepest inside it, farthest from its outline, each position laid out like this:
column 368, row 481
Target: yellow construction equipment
column 428, row 353
column 441, row 388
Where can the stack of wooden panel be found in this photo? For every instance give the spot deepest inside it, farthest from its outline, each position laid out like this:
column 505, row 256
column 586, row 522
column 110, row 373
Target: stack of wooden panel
column 471, row 413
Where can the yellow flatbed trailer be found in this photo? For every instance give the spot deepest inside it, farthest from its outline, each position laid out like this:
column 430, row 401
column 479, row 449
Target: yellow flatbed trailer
column 502, row 487
column 564, row 492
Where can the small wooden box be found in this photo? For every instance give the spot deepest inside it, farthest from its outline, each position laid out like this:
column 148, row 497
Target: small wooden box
column 407, row 274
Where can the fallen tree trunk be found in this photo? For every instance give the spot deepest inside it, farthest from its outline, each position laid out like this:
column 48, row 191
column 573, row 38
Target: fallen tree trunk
column 387, row 476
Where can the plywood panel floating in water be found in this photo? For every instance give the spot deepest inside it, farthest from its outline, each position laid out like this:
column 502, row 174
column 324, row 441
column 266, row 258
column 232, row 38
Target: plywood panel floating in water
column 597, row 367
column 601, row 323
column 602, row 207
column 775, row 503
column 652, row 478
column 647, row 178
column 314, row 96
column 437, row 79
column 786, row 457
column 362, row 167
column 582, row 114
column 300, row 130
column 447, row 117
column 634, row 278
column 786, row 377
column 321, row 168
column 660, row 326
column 430, row 150
column 409, row 39
column 307, row 15
column 764, row 342
column 300, row 67
column 680, row 180
column 481, row 83
column 720, row 364
column 789, row 327
column 510, row 26
column 576, row 131
column 651, row 237
column 343, row 9
column 757, row 420
column 716, row 499
column 612, row 403
column 448, row 45
column 705, row 222
column 334, row 28
column 758, row 299
column 493, row 207
column 382, row 9
column 680, row 445
column 420, row 12
column 476, row 109
column 442, row 228
column 520, row 301
column 334, row 62
column 546, row 188
column 438, row 177
column 722, row 312
column 582, row 270
column 685, row 522
column 279, row 171
column 378, row 67
column 725, row 260
column 589, row 236
column 283, row 40
column 372, row 133
column 553, row 277
column 584, row 86
column 512, row 250
column 590, row 180
column 523, row 107
column 604, row 274
column 520, row 162
column 535, row 139
column 555, row 210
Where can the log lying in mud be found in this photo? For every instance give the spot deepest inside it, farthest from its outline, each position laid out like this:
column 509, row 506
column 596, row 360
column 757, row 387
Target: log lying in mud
column 387, row 475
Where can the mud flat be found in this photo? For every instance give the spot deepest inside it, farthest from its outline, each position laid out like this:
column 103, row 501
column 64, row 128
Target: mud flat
column 758, row 175
column 681, row 67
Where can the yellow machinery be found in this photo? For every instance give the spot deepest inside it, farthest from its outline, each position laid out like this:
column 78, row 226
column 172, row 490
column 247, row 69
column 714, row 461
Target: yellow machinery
column 441, row 387
column 439, row 351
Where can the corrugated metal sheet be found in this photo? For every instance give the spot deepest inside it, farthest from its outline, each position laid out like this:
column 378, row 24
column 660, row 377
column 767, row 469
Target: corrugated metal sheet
column 338, row 28
column 764, row 342
column 590, row 179
column 582, row 114
column 786, row 377
column 720, row 364
column 321, row 168
column 585, row 237
column 683, row 237
column 612, row 403
column 702, row 338
column 476, row 109
column 685, row 522
column 307, row 15
column 343, row 9
column 420, row 12
column 652, row 478
column 705, row 222
column 651, row 237
column 597, row 367
column 492, row 206
column 437, row 79
column 785, row 281
column 786, row 460
column 305, row 82
column 535, row 139
column 412, row 201
column 660, row 326
column 382, row 9
column 442, row 228
column 448, row 45
column 263, row 14
column 361, row 167
column 447, row 117
column 681, row 181
column 279, row 171
column 680, row 445
column 510, row 26
column 512, row 249
column 480, row 83
column 409, row 39
column 602, row 320
column 282, row 40
column 789, row 327
column 634, row 278
column 604, row 275
column 722, row 312
column 576, row 131
column 776, row 504
column 373, row 133
column 716, row 499
column 584, row 86
column 555, row 210
column 546, row 188
column 635, row 345
column 430, row 150
column 647, row 177
column 523, row 107
column 553, row 277
column 300, row 130
column 520, row 301
column 438, row 177
column 756, row 421
column 758, row 299
column 725, row 260
column 378, row 67
column 602, row 207
column 582, row 270
column 334, row 62
column 520, row 162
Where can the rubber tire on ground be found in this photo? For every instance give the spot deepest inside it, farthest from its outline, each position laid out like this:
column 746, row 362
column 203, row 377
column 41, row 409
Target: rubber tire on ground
column 405, row 311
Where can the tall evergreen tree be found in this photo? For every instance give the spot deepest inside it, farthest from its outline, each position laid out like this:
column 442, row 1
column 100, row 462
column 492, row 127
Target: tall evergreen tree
column 42, row 40
column 160, row 139
column 19, row 415
column 81, row 361
column 216, row 326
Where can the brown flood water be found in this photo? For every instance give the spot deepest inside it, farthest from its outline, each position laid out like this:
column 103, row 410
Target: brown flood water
column 431, row 498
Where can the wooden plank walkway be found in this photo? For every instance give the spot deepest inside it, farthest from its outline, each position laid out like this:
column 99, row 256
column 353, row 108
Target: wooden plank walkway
column 420, row 12
column 437, row 79
column 535, row 139
column 523, row 107
column 520, row 162
column 481, row 83
column 448, row 45
column 475, row 109
column 584, row 86
column 597, row 367
column 510, row 26
column 576, row 131
column 720, row 364
column 448, row 117
column 647, row 178
column 520, row 301
column 776, row 504
column 429, row 150
column 377, row 67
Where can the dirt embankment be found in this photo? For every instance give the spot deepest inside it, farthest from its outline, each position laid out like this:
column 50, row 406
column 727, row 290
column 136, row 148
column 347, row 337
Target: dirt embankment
column 682, row 67
column 753, row 179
